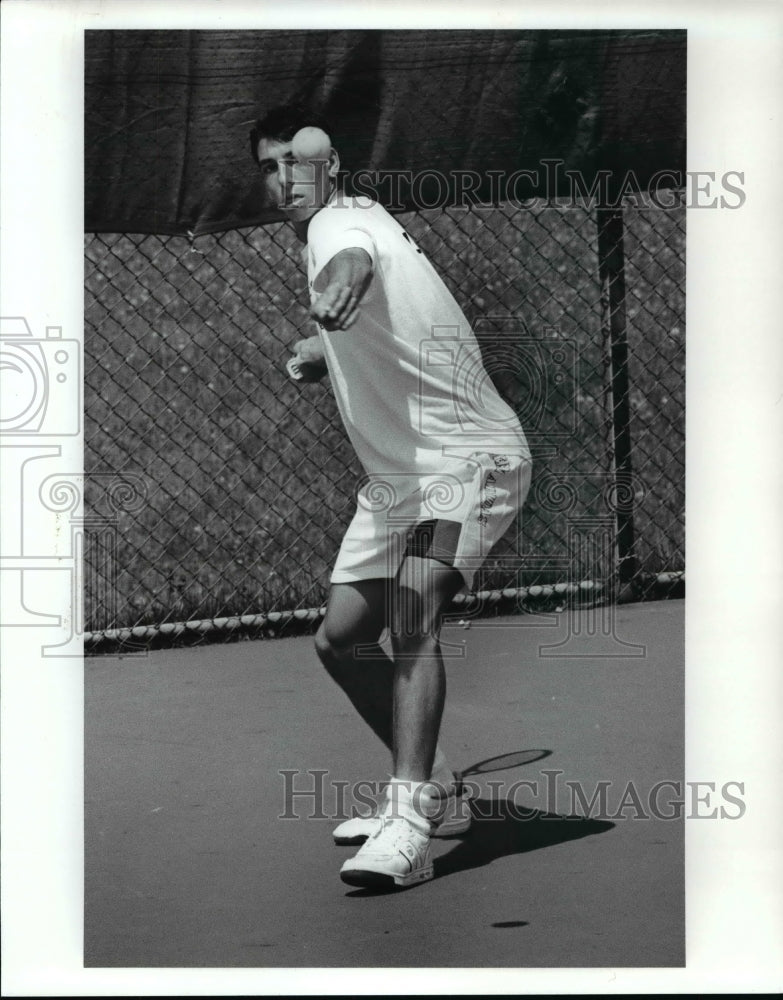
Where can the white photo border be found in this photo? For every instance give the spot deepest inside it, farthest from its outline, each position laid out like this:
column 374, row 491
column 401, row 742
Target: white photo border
column 734, row 496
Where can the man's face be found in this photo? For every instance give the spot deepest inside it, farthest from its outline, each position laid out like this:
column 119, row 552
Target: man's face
column 299, row 189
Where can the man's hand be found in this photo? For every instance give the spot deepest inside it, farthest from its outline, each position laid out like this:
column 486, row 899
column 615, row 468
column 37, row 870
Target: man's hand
column 309, row 350
column 348, row 275
column 307, row 363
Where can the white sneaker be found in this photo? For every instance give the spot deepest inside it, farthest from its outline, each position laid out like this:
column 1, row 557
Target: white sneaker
column 455, row 819
column 397, row 854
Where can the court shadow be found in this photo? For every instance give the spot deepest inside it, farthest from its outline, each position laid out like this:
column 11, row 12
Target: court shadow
column 502, row 827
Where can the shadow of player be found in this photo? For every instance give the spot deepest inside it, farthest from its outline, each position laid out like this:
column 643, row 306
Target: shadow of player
column 502, row 827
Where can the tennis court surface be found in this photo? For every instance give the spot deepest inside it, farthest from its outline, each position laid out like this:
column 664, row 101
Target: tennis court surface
column 189, row 863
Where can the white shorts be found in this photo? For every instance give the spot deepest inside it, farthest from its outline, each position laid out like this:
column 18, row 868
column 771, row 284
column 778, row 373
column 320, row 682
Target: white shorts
column 454, row 517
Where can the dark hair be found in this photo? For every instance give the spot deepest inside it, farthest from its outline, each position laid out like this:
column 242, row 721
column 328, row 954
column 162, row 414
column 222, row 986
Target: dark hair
column 283, row 123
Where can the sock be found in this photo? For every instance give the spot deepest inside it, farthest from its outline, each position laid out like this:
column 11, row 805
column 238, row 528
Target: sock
column 416, row 801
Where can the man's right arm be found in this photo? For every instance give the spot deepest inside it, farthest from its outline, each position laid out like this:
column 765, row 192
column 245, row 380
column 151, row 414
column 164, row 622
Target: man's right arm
column 348, row 275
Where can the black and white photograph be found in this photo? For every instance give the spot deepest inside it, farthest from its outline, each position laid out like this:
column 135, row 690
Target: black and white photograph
column 365, row 481
column 384, row 375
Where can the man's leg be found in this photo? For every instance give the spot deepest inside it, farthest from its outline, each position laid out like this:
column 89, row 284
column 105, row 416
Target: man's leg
column 399, row 853
column 424, row 590
column 356, row 617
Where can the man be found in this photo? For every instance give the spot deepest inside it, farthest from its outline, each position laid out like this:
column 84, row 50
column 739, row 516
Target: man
column 447, row 469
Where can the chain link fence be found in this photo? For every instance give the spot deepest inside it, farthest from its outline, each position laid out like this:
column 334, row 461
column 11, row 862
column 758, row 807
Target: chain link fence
column 231, row 486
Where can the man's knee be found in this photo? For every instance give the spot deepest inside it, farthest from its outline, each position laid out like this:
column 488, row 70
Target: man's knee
column 335, row 647
column 328, row 651
column 425, row 590
column 416, row 642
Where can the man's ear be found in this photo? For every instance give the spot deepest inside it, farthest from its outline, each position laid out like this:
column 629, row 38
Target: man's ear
column 334, row 162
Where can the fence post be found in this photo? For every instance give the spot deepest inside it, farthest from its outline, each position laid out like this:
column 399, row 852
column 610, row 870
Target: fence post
column 611, row 269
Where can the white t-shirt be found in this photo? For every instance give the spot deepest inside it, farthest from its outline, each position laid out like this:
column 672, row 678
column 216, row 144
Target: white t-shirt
column 408, row 376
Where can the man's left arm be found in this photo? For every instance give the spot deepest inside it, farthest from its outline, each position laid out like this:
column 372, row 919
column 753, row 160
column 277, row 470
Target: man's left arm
column 348, row 275
column 307, row 363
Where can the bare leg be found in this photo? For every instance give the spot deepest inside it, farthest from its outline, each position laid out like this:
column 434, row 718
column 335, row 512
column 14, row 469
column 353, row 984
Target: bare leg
column 424, row 590
column 356, row 616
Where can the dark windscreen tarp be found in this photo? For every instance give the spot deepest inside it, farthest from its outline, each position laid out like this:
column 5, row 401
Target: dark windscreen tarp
column 168, row 114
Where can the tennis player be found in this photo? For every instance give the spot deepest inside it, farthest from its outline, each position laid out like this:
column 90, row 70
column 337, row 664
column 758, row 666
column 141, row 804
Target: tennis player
column 447, row 469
